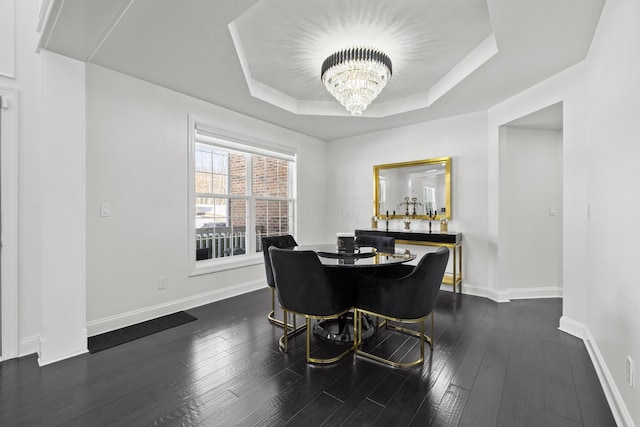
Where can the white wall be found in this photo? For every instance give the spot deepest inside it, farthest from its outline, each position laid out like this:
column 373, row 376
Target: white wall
column 57, row 218
column 463, row 138
column 50, row 109
column 532, row 187
column 62, row 171
column 613, row 93
column 8, row 183
column 28, row 84
column 565, row 87
column 601, row 106
column 137, row 159
column 7, row 38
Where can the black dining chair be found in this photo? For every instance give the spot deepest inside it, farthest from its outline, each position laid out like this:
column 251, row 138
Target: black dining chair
column 283, row 242
column 403, row 299
column 381, row 243
column 305, row 288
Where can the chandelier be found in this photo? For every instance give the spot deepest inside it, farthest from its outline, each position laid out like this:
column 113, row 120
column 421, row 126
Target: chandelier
column 355, row 76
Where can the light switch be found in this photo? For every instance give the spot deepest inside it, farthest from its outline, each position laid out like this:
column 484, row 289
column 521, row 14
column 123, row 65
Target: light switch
column 105, row 209
column 552, row 211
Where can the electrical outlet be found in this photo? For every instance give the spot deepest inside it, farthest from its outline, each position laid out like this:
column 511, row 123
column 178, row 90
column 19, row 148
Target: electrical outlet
column 630, row 371
column 162, row 282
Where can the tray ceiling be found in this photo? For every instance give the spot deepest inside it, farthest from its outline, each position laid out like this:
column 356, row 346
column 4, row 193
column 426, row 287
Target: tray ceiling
column 263, row 58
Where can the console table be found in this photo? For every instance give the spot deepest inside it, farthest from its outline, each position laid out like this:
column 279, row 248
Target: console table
column 453, row 241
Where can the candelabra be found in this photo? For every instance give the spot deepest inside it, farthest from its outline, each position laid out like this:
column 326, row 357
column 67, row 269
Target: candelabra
column 410, row 202
column 431, row 216
column 408, row 216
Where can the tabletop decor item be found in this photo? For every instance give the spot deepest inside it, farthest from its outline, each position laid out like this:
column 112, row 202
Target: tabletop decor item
column 407, row 223
column 431, row 216
column 444, row 222
column 345, row 242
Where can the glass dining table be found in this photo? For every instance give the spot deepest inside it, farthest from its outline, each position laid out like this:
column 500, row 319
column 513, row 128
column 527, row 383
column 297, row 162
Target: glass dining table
column 364, row 257
column 347, row 266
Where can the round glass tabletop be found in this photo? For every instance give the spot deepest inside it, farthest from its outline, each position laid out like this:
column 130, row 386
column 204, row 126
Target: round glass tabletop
column 362, row 257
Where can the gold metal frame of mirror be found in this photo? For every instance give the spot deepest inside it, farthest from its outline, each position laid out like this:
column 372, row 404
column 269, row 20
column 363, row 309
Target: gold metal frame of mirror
column 438, row 160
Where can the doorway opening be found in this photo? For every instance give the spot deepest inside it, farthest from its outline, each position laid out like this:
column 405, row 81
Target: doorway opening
column 531, row 199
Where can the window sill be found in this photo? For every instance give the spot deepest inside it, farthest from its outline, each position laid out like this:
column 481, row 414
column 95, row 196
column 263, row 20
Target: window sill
column 231, row 263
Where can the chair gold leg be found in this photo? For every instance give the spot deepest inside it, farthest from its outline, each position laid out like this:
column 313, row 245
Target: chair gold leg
column 357, row 330
column 420, row 334
column 283, row 341
column 308, row 338
column 407, row 331
column 421, row 341
column 433, row 334
column 285, row 336
column 340, row 356
column 271, row 316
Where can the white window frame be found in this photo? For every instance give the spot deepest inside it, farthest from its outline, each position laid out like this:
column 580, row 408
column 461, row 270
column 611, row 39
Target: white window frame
column 200, row 132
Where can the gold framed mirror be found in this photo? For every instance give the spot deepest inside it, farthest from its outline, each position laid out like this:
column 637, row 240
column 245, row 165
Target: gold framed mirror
column 413, row 189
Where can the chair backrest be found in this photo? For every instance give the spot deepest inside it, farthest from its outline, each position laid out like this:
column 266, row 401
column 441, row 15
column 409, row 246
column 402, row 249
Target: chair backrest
column 304, row 286
column 430, row 271
column 381, row 243
column 286, row 241
column 410, row 297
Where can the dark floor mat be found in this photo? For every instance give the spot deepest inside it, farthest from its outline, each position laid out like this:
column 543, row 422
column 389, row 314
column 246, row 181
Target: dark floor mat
column 120, row 336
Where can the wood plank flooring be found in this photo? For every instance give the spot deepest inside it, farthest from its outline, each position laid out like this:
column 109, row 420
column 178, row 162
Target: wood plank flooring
column 492, row 365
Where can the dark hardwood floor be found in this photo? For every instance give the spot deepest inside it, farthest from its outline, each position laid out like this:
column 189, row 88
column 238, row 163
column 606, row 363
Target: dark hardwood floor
column 493, row 365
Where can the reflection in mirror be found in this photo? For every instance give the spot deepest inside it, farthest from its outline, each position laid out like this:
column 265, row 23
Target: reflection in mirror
column 416, row 188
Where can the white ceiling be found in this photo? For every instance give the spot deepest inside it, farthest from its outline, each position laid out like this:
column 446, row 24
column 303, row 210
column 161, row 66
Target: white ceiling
column 428, row 59
column 262, row 58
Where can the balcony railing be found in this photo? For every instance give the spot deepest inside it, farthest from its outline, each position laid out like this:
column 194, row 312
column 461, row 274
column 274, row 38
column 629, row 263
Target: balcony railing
column 218, row 242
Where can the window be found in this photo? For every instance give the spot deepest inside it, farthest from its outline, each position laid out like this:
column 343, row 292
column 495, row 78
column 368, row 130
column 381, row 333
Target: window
column 429, row 194
column 241, row 192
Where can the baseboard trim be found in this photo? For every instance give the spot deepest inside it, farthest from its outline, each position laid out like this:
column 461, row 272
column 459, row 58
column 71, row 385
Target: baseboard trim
column 478, row 291
column 118, row 321
column 56, row 350
column 509, row 294
column 42, row 362
column 616, row 403
column 535, row 293
column 29, row 346
column 571, row 327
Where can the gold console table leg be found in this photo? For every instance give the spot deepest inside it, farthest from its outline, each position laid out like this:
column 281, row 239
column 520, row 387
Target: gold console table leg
column 455, row 266
column 456, row 248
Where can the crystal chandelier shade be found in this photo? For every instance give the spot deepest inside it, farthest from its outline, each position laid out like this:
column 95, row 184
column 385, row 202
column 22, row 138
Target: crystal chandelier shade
column 355, row 76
